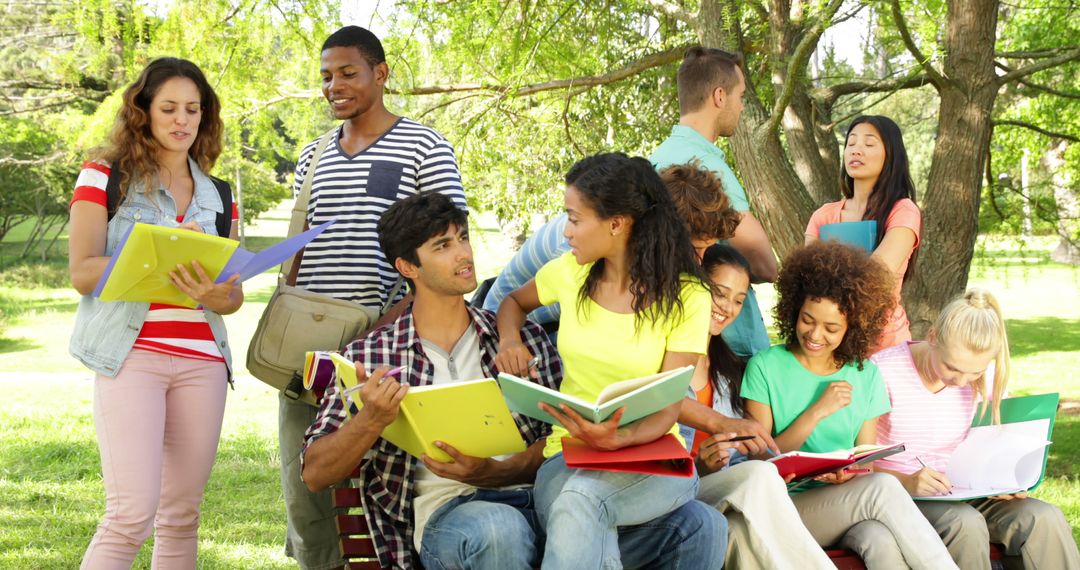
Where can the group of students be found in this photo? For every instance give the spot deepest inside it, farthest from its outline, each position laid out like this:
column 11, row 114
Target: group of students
column 641, row 286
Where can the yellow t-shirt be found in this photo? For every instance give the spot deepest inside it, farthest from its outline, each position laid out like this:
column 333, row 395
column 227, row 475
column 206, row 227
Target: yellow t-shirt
column 599, row 347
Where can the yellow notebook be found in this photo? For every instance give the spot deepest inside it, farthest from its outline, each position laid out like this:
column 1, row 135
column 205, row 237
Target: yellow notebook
column 471, row 416
column 140, row 269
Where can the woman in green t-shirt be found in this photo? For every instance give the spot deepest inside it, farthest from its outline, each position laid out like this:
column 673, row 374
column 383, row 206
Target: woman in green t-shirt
column 633, row 303
column 817, row 392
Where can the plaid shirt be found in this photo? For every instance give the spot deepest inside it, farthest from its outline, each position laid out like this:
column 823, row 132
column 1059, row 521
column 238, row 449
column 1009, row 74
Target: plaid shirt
column 386, row 472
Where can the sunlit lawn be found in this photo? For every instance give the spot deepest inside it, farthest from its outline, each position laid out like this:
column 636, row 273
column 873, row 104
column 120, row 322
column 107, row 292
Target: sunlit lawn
column 51, row 495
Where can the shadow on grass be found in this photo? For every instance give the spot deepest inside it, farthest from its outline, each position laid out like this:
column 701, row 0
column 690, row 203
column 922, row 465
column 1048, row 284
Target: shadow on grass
column 1043, row 334
column 1066, row 448
column 16, row 345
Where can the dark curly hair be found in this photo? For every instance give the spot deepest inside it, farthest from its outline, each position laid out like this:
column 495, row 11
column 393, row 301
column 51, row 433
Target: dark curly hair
column 408, row 223
column 700, row 201
column 862, row 287
column 660, row 251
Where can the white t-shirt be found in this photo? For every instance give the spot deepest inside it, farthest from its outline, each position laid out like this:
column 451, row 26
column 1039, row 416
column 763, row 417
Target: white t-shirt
column 433, row 491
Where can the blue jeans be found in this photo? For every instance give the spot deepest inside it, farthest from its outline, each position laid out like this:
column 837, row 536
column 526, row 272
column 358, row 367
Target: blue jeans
column 609, row 520
column 487, row 529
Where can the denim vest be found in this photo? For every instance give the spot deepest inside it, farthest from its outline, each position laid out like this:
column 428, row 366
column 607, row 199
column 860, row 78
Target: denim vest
column 105, row 331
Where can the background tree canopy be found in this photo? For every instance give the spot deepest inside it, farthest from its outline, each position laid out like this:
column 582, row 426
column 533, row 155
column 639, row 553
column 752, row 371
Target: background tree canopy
column 523, row 88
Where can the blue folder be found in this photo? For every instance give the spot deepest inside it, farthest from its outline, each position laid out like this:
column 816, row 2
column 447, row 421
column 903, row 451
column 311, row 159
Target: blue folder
column 861, row 234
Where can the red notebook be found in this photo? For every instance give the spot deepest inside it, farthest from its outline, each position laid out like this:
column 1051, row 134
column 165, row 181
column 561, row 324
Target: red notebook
column 665, row 456
column 805, row 464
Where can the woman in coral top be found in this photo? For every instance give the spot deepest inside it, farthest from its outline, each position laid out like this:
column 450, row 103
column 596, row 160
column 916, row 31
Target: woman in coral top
column 877, row 186
column 161, row 370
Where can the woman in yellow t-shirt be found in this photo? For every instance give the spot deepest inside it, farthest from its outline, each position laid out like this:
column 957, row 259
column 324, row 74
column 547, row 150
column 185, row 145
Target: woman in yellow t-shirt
column 633, row 303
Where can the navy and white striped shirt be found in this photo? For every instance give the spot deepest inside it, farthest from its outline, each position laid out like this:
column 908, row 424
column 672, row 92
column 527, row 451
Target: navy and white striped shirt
column 346, row 261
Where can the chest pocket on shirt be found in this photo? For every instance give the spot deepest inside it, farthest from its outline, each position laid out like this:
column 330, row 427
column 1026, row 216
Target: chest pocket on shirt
column 384, row 178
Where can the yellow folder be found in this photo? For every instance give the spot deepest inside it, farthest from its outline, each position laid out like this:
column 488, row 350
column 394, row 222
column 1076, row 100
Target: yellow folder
column 471, row 416
column 140, row 271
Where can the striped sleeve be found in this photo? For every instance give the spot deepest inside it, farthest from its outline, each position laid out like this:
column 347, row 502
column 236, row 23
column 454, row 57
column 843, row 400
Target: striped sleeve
column 90, row 185
column 438, row 172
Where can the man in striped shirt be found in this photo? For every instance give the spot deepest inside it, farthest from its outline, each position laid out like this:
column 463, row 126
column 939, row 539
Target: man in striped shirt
column 376, row 159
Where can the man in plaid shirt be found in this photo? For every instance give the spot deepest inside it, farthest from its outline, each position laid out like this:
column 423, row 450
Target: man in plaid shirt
column 472, row 512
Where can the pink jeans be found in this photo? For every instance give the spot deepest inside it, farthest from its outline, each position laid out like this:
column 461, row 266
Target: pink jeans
column 158, row 423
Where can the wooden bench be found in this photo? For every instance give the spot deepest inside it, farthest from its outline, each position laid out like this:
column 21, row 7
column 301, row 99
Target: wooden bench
column 847, row 560
column 358, row 549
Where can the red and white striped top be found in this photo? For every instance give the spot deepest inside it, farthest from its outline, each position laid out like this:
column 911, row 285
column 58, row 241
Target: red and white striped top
column 930, row 425
column 168, row 329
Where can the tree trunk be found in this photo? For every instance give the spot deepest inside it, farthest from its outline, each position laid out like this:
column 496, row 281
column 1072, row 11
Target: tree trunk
column 951, row 207
column 779, row 198
column 1068, row 207
column 814, row 154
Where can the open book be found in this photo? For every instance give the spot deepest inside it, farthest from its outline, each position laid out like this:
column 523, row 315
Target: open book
column 642, row 396
column 805, row 464
column 140, row 266
column 1006, row 458
column 471, row 416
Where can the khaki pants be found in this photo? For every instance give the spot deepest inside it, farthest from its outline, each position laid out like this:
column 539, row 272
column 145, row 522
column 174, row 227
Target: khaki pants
column 311, row 536
column 874, row 516
column 764, row 529
column 1030, row 528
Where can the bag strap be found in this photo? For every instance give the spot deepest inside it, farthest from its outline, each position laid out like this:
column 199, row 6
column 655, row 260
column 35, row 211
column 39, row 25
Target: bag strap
column 223, row 221
column 299, row 211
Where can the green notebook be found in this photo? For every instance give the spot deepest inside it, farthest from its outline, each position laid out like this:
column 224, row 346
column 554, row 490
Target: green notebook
column 642, row 396
column 1007, row 458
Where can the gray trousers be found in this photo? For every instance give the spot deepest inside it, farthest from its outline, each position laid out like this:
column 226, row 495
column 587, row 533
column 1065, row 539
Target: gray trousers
column 1030, row 528
column 311, row 536
column 874, row 516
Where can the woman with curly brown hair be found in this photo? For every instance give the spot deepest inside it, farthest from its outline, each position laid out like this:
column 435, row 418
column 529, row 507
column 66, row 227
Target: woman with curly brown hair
column 817, row 392
column 161, row 370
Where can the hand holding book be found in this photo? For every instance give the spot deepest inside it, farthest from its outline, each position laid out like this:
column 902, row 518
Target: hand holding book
column 605, row 436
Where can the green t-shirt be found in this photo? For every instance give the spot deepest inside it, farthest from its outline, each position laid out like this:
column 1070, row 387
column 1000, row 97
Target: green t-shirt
column 599, row 347
column 775, row 378
column 746, row 335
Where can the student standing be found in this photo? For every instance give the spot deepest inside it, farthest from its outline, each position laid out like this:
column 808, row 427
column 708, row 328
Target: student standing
column 818, row 393
column 375, row 159
column 711, row 89
column 634, row 303
column 877, row 186
column 160, row 370
column 936, row 388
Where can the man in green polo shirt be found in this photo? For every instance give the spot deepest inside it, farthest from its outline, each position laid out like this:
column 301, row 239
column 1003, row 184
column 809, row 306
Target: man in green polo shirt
column 711, row 89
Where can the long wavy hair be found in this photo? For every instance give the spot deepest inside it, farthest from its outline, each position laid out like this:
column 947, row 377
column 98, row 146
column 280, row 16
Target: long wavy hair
column 724, row 364
column 131, row 150
column 893, row 183
column 661, row 255
column 860, row 285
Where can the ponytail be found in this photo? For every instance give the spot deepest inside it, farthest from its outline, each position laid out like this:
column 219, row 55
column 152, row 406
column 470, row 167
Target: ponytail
column 974, row 321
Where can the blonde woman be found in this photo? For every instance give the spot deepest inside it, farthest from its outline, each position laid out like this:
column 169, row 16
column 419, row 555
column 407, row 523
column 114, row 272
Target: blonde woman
column 936, row 388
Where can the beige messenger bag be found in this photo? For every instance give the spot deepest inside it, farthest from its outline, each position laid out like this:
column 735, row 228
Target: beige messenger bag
column 297, row 320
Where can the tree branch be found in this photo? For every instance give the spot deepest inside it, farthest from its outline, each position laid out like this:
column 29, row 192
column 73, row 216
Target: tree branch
column 797, row 63
column 1030, row 54
column 1070, row 55
column 829, row 95
column 578, row 83
column 12, row 161
column 1038, row 87
column 1040, row 130
column 675, row 11
column 898, row 18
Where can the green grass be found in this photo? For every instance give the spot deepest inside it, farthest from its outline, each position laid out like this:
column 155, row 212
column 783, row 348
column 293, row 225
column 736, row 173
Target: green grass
column 51, row 495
